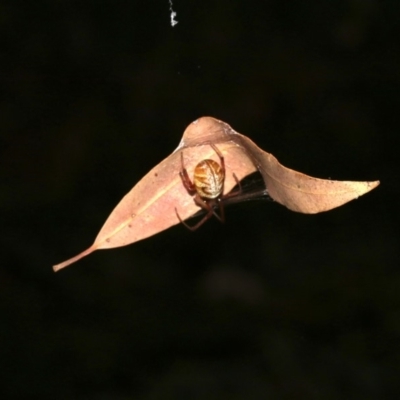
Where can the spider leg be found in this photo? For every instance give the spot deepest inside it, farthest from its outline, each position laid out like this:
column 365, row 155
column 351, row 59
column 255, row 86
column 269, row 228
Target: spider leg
column 236, row 192
column 213, row 205
column 189, row 186
column 221, row 157
column 201, row 222
column 221, row 207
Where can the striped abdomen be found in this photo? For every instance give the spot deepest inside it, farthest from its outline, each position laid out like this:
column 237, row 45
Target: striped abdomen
column 209, row 179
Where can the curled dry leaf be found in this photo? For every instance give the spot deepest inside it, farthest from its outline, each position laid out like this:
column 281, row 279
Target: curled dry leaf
column 149, row 207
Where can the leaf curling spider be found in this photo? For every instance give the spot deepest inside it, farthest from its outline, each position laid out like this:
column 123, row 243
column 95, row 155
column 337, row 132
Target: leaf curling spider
column 207, row 187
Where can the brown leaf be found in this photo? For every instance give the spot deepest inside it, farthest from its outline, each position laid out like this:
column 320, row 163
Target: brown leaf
column 300, row 192
column 149, row 207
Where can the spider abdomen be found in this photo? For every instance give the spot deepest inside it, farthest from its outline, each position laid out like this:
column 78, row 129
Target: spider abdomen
column 209, row 179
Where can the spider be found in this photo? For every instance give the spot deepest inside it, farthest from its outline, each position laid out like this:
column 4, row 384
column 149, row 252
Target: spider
column 207, row 188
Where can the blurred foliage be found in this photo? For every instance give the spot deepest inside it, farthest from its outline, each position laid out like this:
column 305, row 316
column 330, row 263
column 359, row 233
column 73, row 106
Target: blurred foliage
column 271, row 305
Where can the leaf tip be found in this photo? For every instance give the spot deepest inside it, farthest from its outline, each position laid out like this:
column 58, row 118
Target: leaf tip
column 58, row 267
column 368, row 186
column 374, row 184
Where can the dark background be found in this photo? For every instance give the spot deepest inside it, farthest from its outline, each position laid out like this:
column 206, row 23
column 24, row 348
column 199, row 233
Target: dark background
column 271, row 305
